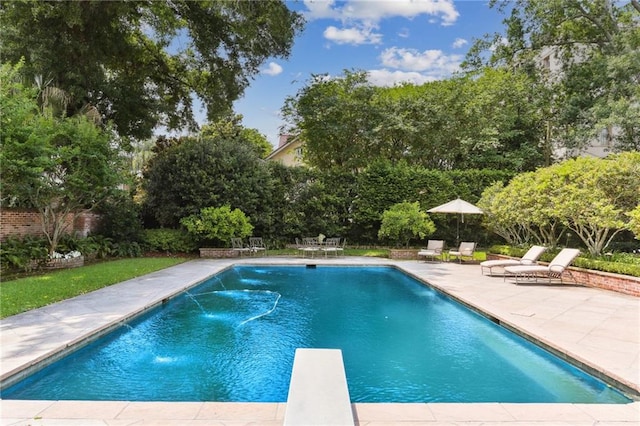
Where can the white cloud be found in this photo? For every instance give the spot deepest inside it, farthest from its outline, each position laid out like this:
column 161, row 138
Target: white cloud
column 320, row 9
column 434, row 62
column 385, row 77
column 273, row 69
column 359, row 18
column 374, row 11
column 459, row 42
column 404, row 33
column 502, row 42
column 352, row 35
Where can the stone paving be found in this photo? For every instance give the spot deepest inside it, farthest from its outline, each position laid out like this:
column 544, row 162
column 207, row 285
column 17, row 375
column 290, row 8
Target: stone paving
column 598, row 328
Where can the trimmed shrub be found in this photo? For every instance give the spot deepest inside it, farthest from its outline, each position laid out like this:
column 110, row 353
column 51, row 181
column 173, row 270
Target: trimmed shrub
column 217, row 225
column 168, row 240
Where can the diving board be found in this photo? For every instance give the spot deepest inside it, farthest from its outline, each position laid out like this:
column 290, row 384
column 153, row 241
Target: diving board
column 318, row 393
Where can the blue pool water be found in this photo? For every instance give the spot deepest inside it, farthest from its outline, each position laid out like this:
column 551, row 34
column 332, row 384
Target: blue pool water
column 233, row 338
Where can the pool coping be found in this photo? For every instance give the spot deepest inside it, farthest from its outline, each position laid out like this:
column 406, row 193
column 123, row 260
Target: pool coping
column 29, row 338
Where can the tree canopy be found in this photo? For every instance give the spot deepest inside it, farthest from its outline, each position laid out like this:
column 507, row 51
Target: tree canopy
column 61, row 166
column 483, row 121
column 140, row 63
column 205, row 171
column 594, row 198
column 586, row 52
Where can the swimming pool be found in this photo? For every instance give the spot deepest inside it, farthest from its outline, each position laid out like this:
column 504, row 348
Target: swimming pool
column 233, row 338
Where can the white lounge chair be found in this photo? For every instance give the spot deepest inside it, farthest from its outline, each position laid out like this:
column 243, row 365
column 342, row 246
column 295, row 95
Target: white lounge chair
column 553, row 271
column 529, row 258
column 466, row 249
column 433, row 250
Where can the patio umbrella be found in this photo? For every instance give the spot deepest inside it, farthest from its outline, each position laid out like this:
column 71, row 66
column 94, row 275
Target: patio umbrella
column 458, row 207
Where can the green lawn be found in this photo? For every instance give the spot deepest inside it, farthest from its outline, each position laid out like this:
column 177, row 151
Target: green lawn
column 28, row 293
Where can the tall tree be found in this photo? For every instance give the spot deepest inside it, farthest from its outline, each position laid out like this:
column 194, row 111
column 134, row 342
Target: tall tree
column 587, row 54
column 61, row 166
column 230, row 126
column 486, row 121
column 482, row 121
column 336, row 118
column 591, row 197
column 139, row 63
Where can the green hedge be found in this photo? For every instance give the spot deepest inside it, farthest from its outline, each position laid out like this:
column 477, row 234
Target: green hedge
column 169, row 240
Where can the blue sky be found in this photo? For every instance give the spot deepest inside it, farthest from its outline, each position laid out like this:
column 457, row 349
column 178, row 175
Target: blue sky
column 393, row 40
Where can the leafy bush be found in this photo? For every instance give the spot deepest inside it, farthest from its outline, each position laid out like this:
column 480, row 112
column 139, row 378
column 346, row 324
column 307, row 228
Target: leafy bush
column 507, row 250
column 127, row 249
column 608, row 266
column 634, row 222
column 168, row 240
column 120, row 219
column 92, row 247
column 23, row 253
column 97, row 247
column 218, row 225
column 404, row 221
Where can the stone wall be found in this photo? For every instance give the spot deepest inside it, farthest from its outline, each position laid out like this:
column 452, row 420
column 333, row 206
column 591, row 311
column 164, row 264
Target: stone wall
column 217, row 253
column 75, row 262
column 22, row 222
column 403, row 254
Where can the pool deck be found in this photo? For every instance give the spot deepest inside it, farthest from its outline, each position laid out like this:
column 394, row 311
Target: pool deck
column 598, row 328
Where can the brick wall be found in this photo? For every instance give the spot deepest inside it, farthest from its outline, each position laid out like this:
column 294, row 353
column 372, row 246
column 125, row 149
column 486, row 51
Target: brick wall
column 621, row 283
column 22, row 222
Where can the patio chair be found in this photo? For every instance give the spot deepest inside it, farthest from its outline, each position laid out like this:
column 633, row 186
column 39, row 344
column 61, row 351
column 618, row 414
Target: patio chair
column 309, row 245
column 238, row 246
column 529, row 258
column 256, row 245
column 330, row 246
column 433, row 250
column 300, row 247
column 466, row 249
column 341, row 244
column 553, row 271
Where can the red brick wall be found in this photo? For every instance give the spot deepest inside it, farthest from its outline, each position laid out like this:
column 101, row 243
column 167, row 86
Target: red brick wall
column 621, row 283
column 21, row 222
